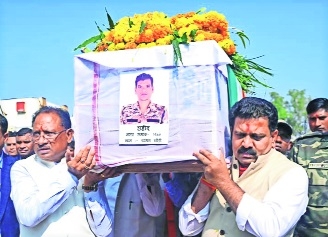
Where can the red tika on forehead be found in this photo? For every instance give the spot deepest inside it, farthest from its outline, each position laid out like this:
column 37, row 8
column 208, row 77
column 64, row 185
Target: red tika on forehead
column 247, row 127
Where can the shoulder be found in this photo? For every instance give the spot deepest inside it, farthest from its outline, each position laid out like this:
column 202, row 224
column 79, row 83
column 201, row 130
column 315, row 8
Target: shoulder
column 157, row 106
column 9, row 160
column 128, row 107
column 24, row 162
column 312, row 137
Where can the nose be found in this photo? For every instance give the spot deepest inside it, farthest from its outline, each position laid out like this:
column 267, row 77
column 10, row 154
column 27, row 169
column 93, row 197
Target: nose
column 278, row 140
column 317, row 122
column 247, row 142
column 42, row 140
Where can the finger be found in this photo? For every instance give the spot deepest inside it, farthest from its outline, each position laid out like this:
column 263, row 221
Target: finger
column 201, row 157
column 82, row 154
column 89, row 157
column 210, row 156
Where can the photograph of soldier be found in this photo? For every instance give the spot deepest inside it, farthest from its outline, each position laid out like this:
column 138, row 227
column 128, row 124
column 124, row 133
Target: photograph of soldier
column 144, row 110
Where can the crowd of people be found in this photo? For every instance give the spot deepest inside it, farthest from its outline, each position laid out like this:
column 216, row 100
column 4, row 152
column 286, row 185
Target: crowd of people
column 273, row 185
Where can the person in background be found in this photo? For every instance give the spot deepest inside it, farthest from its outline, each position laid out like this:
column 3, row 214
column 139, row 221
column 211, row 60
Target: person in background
column 317, row 111
column 46, row 187
column 135, row 201
column 311, row 152
column 283, row 142
column 71, row 147
column 9, row 226
column 261, row 194
column 24, row 142
column 10, row 144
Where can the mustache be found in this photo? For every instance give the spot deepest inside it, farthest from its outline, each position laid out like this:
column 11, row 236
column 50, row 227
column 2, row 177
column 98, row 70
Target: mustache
column 248, row 151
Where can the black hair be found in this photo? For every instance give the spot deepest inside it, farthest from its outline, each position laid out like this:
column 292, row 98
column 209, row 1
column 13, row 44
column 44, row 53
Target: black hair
column 142, row 77
column 253, row 107
column 12, row 134
column 316, row 104
column 24, row 131
column 3, row 124
column 63, row 114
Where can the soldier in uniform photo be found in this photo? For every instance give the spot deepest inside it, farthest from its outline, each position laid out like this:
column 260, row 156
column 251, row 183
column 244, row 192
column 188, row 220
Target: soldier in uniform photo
column 144, row 110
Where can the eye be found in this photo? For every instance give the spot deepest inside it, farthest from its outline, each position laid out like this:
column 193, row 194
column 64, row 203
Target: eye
column 256, row 137
column 35, row 134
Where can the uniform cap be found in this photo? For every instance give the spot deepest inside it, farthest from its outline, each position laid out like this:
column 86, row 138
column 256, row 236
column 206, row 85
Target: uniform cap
column 286, row 126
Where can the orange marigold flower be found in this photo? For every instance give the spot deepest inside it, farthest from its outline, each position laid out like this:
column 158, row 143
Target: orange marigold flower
column 130, row 45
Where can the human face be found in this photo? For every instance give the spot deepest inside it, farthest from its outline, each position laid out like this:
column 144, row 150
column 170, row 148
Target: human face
column 52, row 149
column 11, row 146
column 70, row 151
column 318, row 121
column 251, row 138
column 24, row 145
column 144, row 90
column 283, row 143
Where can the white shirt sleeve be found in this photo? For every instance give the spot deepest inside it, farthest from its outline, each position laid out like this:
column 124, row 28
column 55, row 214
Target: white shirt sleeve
column 151, row 193
column 280, row 209
column 98, row 212
column 32, row 203
column 190, row 223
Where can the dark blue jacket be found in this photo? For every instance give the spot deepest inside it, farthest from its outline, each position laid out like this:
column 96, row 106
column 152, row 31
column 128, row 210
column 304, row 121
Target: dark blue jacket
column 8, row 220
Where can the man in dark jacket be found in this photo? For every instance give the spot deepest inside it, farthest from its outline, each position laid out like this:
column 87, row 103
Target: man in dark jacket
column 8, row 222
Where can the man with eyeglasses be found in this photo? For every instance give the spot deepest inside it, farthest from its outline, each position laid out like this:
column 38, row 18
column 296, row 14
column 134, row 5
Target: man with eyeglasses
column 46, row 187
column 8, row 221
column 24, row 142
column 283, row 142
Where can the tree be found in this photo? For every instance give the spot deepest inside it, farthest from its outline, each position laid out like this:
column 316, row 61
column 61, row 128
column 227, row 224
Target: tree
column 293, row 110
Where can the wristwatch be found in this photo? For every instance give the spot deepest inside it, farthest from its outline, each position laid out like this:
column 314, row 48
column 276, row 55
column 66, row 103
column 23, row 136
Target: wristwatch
column 90, row 188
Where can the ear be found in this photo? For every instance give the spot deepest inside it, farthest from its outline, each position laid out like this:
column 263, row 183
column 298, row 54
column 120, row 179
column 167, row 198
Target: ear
column 274, row 136
column 5, row 135
column 70, row 135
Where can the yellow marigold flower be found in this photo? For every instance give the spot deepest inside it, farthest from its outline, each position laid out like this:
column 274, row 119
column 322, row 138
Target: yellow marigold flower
column 228, row 46
column 161, row 41
column 111, row 47
column 130, row 37
column 200, row 37
column 152, row 44
column 142, row 45
column 168, row 39
column 120, row 46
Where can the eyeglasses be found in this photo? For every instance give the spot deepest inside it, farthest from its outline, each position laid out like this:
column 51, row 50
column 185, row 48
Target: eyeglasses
column 50, row 136
column 25, row 142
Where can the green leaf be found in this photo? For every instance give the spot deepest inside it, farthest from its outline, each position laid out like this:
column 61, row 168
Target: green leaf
column 86, row 50
column 243, row 37
column 110, row 21
column 142, row 27
column 177, row 52
column 91, row 40
column 184, row 38
column 193, row 34
column 100, row 30
column 130, row 23
column 203, row 9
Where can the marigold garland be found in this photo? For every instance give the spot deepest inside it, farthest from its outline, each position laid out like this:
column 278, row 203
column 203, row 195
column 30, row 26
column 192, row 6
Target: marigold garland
column 156, row 28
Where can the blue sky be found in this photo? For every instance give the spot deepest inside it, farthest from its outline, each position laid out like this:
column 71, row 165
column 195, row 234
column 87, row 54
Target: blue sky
column 37, row 39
